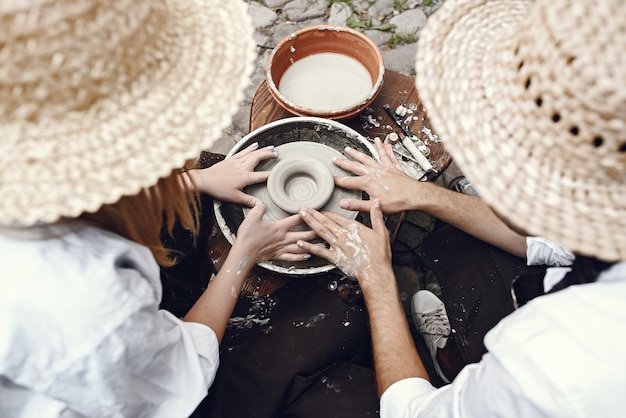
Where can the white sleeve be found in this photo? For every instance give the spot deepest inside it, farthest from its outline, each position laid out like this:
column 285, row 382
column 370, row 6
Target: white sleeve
column 541, row 251
column 479, row 390
column 152, row 365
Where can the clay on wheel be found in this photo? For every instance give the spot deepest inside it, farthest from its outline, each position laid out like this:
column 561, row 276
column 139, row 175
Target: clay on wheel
column 300, row 182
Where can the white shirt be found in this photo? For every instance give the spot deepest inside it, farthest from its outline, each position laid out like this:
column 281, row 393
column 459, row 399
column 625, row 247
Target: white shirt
column 81, row 334
column 560, row 355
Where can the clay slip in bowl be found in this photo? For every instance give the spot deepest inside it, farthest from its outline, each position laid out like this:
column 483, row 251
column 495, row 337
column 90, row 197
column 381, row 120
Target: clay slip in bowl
column 325, row 39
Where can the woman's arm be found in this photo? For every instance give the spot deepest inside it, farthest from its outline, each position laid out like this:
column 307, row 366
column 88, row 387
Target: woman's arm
column 257, row 240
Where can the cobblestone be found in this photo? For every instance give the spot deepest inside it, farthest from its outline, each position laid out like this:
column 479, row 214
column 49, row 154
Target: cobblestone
column 393, row 25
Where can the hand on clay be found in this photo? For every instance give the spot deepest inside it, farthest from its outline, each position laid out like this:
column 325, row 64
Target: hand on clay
column 226, row 180
column 264, row 240
column 358, row 251
column 384, row 180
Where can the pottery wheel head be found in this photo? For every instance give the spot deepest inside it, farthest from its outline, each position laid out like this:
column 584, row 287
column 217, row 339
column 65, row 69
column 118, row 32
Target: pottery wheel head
column 301, row 176
column 300, row 182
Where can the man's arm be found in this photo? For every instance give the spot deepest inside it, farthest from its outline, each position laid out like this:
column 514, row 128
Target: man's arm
column 365, row 254
column 398, row 192
column 395, row 356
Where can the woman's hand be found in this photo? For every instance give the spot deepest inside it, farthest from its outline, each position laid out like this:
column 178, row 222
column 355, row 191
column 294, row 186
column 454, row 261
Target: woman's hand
column 357, row 250
column 263, row 240
column 226, row 180
column 384, row 181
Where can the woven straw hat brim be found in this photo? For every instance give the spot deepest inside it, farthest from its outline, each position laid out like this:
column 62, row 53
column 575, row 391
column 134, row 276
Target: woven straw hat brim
column 530, row 101
column 175, row 105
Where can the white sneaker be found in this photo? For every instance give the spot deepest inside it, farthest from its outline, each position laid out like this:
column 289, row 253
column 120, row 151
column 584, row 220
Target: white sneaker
column 431, row 319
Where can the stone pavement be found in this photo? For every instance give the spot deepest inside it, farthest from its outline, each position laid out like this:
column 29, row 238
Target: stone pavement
column 393, row 25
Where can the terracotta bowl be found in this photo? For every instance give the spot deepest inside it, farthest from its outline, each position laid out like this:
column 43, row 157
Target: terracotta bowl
column 308, row 141
column 324, row 40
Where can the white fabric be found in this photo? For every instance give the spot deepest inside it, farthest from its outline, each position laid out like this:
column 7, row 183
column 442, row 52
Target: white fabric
column 560, row 355
column 543, row 252
column 81, row 334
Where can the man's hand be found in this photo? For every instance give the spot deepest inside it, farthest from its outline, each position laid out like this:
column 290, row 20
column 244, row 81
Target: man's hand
column 384, row 181
column 357, row 250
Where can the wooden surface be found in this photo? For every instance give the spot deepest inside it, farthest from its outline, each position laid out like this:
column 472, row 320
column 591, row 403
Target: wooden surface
column 397, row 90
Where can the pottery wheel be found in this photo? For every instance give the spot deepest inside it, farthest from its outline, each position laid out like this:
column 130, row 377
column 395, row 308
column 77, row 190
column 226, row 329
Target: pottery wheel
column 300, row 150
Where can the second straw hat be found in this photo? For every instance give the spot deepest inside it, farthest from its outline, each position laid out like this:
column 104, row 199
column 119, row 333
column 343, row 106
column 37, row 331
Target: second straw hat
column 99, row 99
column 530, row 99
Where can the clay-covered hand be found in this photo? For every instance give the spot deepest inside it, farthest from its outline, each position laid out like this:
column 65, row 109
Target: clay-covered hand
column 360, row 252
column 384, row 181
column 263, row 240
column 226, row 180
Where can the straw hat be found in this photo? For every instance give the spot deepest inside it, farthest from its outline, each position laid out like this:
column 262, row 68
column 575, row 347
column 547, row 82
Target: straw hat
column 99, row 99
column 530, row 99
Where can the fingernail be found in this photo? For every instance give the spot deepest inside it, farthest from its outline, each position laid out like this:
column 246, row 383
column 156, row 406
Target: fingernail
column 270, row 147
column 257, row 202
column 377, row 140
column 376, row 203
column 348, row 148
column 343, row 204
column 300, row 243
column 306, row 256
column 302, row 212
column 254, row 145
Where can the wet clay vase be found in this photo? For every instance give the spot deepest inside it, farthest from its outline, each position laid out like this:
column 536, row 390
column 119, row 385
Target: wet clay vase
column 299, row 182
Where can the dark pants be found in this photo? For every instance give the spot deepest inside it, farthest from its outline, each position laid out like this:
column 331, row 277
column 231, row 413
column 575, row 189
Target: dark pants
column 475, row 280
column 301, row 352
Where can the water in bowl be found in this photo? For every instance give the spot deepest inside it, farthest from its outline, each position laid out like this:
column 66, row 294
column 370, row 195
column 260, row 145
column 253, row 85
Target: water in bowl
column 326, row 81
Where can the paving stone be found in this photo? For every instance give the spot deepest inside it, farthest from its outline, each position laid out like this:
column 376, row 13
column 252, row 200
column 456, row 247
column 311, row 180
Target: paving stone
column 408, row 23
column 276, row 3
column 339, row 14
column 261, row 16
column 401, row 59
column 298, row 10
column 379, row 38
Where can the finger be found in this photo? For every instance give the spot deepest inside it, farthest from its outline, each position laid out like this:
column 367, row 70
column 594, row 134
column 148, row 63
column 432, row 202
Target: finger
column 293, row 257
column 247, row 150
column 244, row 199
column 316, row 250
column 301, row 235
column 258, row 177
column 353, row 167
column 355, row 205
column 383, row 153
column 257, row 211
column 319, row 223
column 376, row 217
column 361, row 157
column 337, row 218
column 293, row 248
column 291, row 222
column 350, row 182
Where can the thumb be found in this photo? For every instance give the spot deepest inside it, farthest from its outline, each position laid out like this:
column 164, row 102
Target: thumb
column 257, row 211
